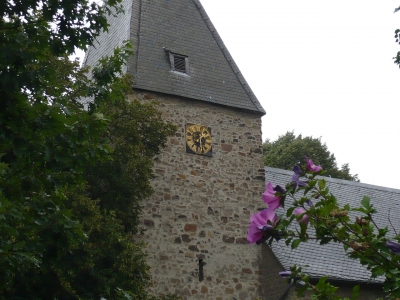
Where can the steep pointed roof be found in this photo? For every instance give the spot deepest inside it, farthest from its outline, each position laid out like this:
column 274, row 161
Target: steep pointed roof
column 160, row 27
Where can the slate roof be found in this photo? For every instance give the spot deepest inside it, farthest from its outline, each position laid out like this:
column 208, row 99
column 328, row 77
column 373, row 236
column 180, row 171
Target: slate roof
column 331, row 259
column 183, row 27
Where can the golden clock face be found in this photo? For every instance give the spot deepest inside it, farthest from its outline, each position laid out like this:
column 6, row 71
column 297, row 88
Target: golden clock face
column 198, row 139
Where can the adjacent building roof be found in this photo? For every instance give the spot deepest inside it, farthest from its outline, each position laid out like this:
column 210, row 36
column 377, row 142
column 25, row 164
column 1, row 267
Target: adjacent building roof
column 331, row 260
column 160, row 27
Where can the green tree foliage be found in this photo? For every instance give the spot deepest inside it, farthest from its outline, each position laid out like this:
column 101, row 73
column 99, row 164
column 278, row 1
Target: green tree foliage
column 289, row 150
column 136, row 133
column 65, row 231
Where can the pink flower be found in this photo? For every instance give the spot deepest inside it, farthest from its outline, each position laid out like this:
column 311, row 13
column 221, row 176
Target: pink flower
column 298, row 211
column 269, row 197
column 311, row 167
column 261, row 224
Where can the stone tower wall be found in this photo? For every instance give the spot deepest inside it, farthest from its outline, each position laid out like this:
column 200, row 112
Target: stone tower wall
column 201, row 206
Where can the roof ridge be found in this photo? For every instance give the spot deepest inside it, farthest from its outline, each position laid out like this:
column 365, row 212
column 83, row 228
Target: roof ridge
column 228, row 56
column 340, row 181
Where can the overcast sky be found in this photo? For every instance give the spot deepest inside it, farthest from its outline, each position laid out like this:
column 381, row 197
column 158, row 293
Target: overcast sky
column 323, row 69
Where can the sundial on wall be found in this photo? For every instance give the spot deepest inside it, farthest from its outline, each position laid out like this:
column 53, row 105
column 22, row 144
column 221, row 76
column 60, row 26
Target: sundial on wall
column 198, row 139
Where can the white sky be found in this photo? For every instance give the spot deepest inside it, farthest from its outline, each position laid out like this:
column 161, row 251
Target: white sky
column 323, row 69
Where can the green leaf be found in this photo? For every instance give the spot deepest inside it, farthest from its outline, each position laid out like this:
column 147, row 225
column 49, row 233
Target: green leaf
column 19, row 245
column 296, row 243
column 3, row 168
column 325, row 240
column 321, row 282
column 360, row 209
column 355, row 292
column 321, row 184
column 303, row 228
column 378, row 271
column 394, row 271
column 365, row 202
column 290, row 211
column 300, row 291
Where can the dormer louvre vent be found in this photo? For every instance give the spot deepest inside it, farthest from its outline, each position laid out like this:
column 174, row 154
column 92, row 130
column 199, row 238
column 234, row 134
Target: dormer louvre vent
column 179, row 63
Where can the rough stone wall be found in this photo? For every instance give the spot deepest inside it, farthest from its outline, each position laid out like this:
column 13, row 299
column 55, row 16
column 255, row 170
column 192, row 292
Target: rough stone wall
column 201, row 206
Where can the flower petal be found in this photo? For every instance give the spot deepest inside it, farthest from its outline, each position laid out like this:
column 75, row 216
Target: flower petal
column 285, row 274
column 254, row 234
column 309, row 202
column 297, row 170
column 311, row 167
column 393, row 247
column 261, row 218
column 279, row 189
column 269, row 197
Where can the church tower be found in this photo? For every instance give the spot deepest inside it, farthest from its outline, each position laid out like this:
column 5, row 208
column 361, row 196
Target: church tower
column 210, row 177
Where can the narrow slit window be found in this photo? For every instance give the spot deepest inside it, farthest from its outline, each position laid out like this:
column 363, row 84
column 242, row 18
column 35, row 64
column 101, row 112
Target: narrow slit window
column 201, row 272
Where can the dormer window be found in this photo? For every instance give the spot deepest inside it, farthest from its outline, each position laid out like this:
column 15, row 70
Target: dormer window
column 179, row 62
